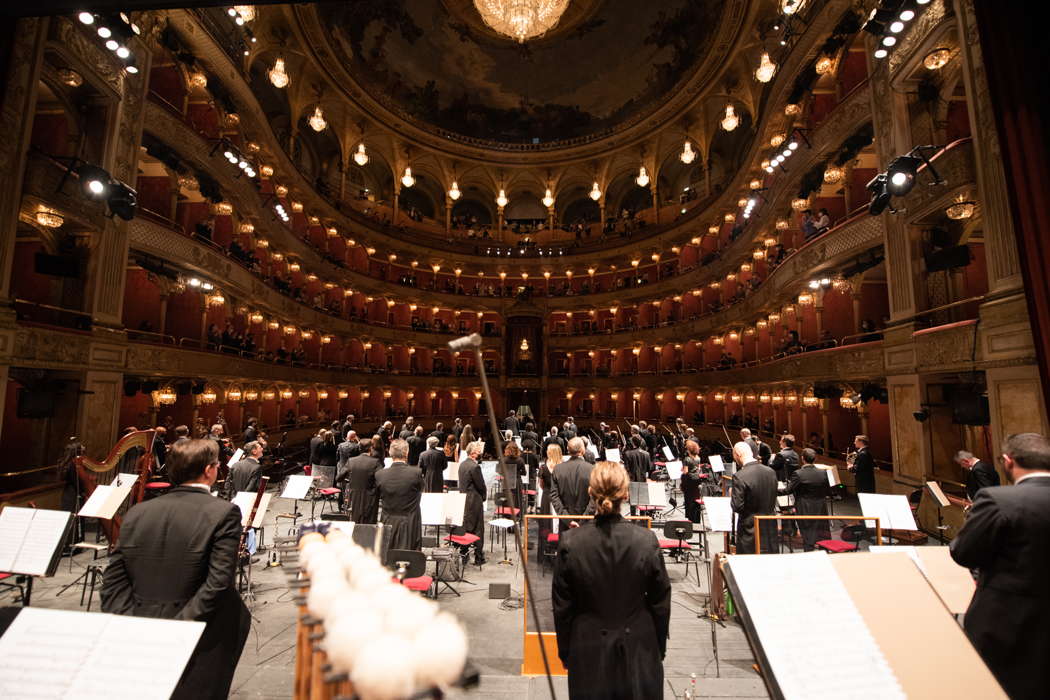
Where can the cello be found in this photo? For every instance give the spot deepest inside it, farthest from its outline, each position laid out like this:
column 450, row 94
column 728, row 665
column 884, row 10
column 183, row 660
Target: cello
column 137, row 446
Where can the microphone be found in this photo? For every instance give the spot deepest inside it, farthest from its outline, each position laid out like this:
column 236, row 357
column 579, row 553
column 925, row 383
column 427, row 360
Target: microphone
column 467, row 342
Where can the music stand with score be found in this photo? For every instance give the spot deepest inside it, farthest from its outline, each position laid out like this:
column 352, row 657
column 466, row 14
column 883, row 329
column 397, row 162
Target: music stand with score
column 31, row 542
column 296, row 487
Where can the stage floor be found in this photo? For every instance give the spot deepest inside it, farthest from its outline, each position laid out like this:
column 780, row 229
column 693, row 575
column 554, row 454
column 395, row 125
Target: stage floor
column 266, row 666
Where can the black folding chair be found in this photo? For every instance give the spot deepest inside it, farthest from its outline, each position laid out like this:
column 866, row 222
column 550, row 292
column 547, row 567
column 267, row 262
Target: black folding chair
column 674, row 542
column 410, row 568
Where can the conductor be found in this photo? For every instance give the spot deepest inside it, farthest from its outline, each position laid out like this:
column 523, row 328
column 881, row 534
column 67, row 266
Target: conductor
column 177, row 559
column 611, row 599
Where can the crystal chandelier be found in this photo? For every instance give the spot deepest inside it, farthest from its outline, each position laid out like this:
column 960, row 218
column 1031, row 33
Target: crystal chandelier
column 317, row 121
column 407, row 179
column 688, row 154
column 454, row 192
column 361, row 157
column 833, row 175
column 730, row 121
column 49, row 218
column 643, row 177
column 501, row 199
column 596, row 192
column 961, row 208
column 247, row 12
column 521, row 19
column 278, row 76
column 548, row 199
column 766, row 69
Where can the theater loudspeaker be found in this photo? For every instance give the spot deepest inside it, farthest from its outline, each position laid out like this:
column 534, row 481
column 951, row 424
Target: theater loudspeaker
column 499, row 591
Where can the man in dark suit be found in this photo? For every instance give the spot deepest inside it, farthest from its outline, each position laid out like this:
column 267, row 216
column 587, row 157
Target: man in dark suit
column 759, row 449
column 979, row 474
column 439, row 433
column 863, row 466
column 407, row 429
column 416, row 444
column 347, row 450
column 347, row 425
column 313, row 445
column 432, row 464
column 177, row 559
column 786, row 461
column 809, row 486
column 553, row 439
column 472, row 482
column 251, row 431
column 636, row 460
column 457, row 429
column 511, row 423
column 244, row 475
column 570, row 481
column 529, row 434
column 1007, row 540
column 360, row 473
column 182, row 434
column 400, row 488
column 754, row 492
column 386, row 433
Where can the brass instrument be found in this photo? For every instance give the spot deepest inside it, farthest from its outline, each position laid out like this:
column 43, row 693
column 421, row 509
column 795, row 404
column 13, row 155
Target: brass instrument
column 851, row 458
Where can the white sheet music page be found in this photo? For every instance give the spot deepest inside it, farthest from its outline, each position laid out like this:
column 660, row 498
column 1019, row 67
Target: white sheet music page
column 237, row 455
column 14, row 524
column 797, row 602
column 44, row 537
column 432, row 508
column 667, row 453
column 612, row 454
column 657, row 493
column 674, row 469
column 892, row 510
column 96, row 655
column 717, row 465
column 245, row 500
column 455, row 503
column 719, row 513
column 451, row 472
column 297, row 486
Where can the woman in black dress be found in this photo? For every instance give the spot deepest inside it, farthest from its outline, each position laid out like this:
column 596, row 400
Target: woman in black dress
column 611, row 599
column 545, row 482
column 691, row 480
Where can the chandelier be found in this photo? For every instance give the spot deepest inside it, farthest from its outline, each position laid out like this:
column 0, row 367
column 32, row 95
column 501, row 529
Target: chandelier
column 548, row 199
column 766, row 69
column 688, row 154
column 317, row 121
column 361, row 156
column 730, row 121
column 596, row 192
column 278, row 76
column 521, row 19
column 407, row 179
column 961, row 208
column 501, row 199
column 643, row 177
column 49, row 218
column 454, row 192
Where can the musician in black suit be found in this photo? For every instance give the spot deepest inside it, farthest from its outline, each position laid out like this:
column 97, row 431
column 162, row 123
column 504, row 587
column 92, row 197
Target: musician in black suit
column 432, row 463
column 251, row 431
column 809, row 486
column 611, row 599
column 570, row 480
column 347, row 425
column 416, row 444
column 177, row 559
column 785, row 462
column 400, row 488
column 554, row 439
column 439, row 433
column 360, row 474
column 636, row 460
column 863, row 466
column 244, row 475
column 754, row 492
column 1007, row 540
column 529, row 435
column 512, row 423
column 347, row 450
column 472, row 482
column 408, row 428
column 759, row 449
column 386, row 433
column 979, row 474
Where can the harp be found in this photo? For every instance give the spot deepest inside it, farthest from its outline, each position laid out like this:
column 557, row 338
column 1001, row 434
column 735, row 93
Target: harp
column 133, row 453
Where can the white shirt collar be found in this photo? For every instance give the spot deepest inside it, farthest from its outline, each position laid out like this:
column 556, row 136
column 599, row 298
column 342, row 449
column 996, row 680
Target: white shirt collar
column 1033, row 475
column 203, row 487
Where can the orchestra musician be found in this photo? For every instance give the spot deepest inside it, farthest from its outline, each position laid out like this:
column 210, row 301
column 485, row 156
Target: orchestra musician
column 432, row 463
column 400, row 488
column 244, row 475
column 569, row 490
column 407, row 429
column 863, row 466
column 692, row 478
column 360, row 473
column 416, row 444
column 785, row 462
column 611, row 598
column 1007, row 540
column 472, row 482
column 809, row 486
column 979, row 474
column 754, row 492
column 177, row 559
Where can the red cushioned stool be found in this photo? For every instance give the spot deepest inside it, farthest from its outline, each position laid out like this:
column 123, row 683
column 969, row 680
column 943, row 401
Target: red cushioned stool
column 465, row 543
column 156, row 488
column 411, row 567
column 836, row 546
column 328, row 497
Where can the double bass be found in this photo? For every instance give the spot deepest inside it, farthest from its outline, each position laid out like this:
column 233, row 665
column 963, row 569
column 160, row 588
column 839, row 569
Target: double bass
column 133, row 453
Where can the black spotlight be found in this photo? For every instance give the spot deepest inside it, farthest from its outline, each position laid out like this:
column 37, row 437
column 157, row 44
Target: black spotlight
column 123, row 200
column 921, row 415
column 880, row 196
column 901, row 174
column 94, row 181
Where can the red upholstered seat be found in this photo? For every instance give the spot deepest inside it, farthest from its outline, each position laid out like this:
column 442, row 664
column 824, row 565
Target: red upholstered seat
column 418, row 583
column 552, row 537
column 674, row 544
column 328, row 491
column 837, row 546
column 530, row 492
column 463, row 540
column 507, row 510
column 158, row 485
column 3, row 576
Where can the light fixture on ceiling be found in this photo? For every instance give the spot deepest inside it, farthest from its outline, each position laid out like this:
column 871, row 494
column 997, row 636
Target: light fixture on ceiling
column 317, row 121
column 501, row 199
column 730, row 121
column 961, row 208
column 548, row 199
column 776, row 140
column 278, row 75
column 833, row 175
column 407, row 179
column 70, row 77
column 790, row 7
column 521, row 20
column 800, row 204
column 596, row 192
column 766, row 69
column 792, row 109
column 49, row 218
column 937, row 59
column 454, row 192
column 361, row 156
column 246, row 12
column 199, row 79
column 824, row 65
column 688, row 154
column 643, row 177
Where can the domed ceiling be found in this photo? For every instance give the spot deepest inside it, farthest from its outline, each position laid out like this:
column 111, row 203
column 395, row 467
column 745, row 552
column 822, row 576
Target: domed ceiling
column 607, row 62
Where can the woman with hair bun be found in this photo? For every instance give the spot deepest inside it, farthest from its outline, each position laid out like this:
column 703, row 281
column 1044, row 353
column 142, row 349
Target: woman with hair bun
column 611, row 598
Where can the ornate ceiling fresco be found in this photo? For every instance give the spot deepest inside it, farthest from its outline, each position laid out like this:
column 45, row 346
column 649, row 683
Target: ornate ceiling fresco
column 436, row 62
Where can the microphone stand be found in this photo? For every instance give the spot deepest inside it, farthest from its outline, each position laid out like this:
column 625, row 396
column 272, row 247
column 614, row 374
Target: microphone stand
column 473, row 341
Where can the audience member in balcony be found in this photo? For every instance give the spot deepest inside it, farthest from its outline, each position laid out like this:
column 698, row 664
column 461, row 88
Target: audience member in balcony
column 767, row 426
column 809, row 226
column 867, row 327
column 727, row 361
column 826, row 341
column 792, row 344
column 214, row 337
column 776, row 255
column 823, row 222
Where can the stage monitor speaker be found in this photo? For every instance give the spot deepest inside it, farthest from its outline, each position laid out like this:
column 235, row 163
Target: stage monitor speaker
column 499, row 591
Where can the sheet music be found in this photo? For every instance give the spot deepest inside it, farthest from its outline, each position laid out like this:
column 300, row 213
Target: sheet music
column 832, row 472
column 657, row 493
column 717, row 465
column 786, row 501
column 612, row 454
column 593, row 449
column 29, row 538
column 126, row 479
column 938, row 494
column 797, row 602
column 674, row 469
column 451, row 472
column 297, row 486
column 488, row 472
column 443, row 508
column 668, row 453
column 892, row 510
column 96, row 656
column 387, row 461
column 106, row 499
column 245, row 500
column 237, row 455
column 719, row 513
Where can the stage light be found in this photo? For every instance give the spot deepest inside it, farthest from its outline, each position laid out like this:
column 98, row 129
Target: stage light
column 122, row 201
column 880, row 196
column 94, row 181
column 901, row 173
column 86, row 17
